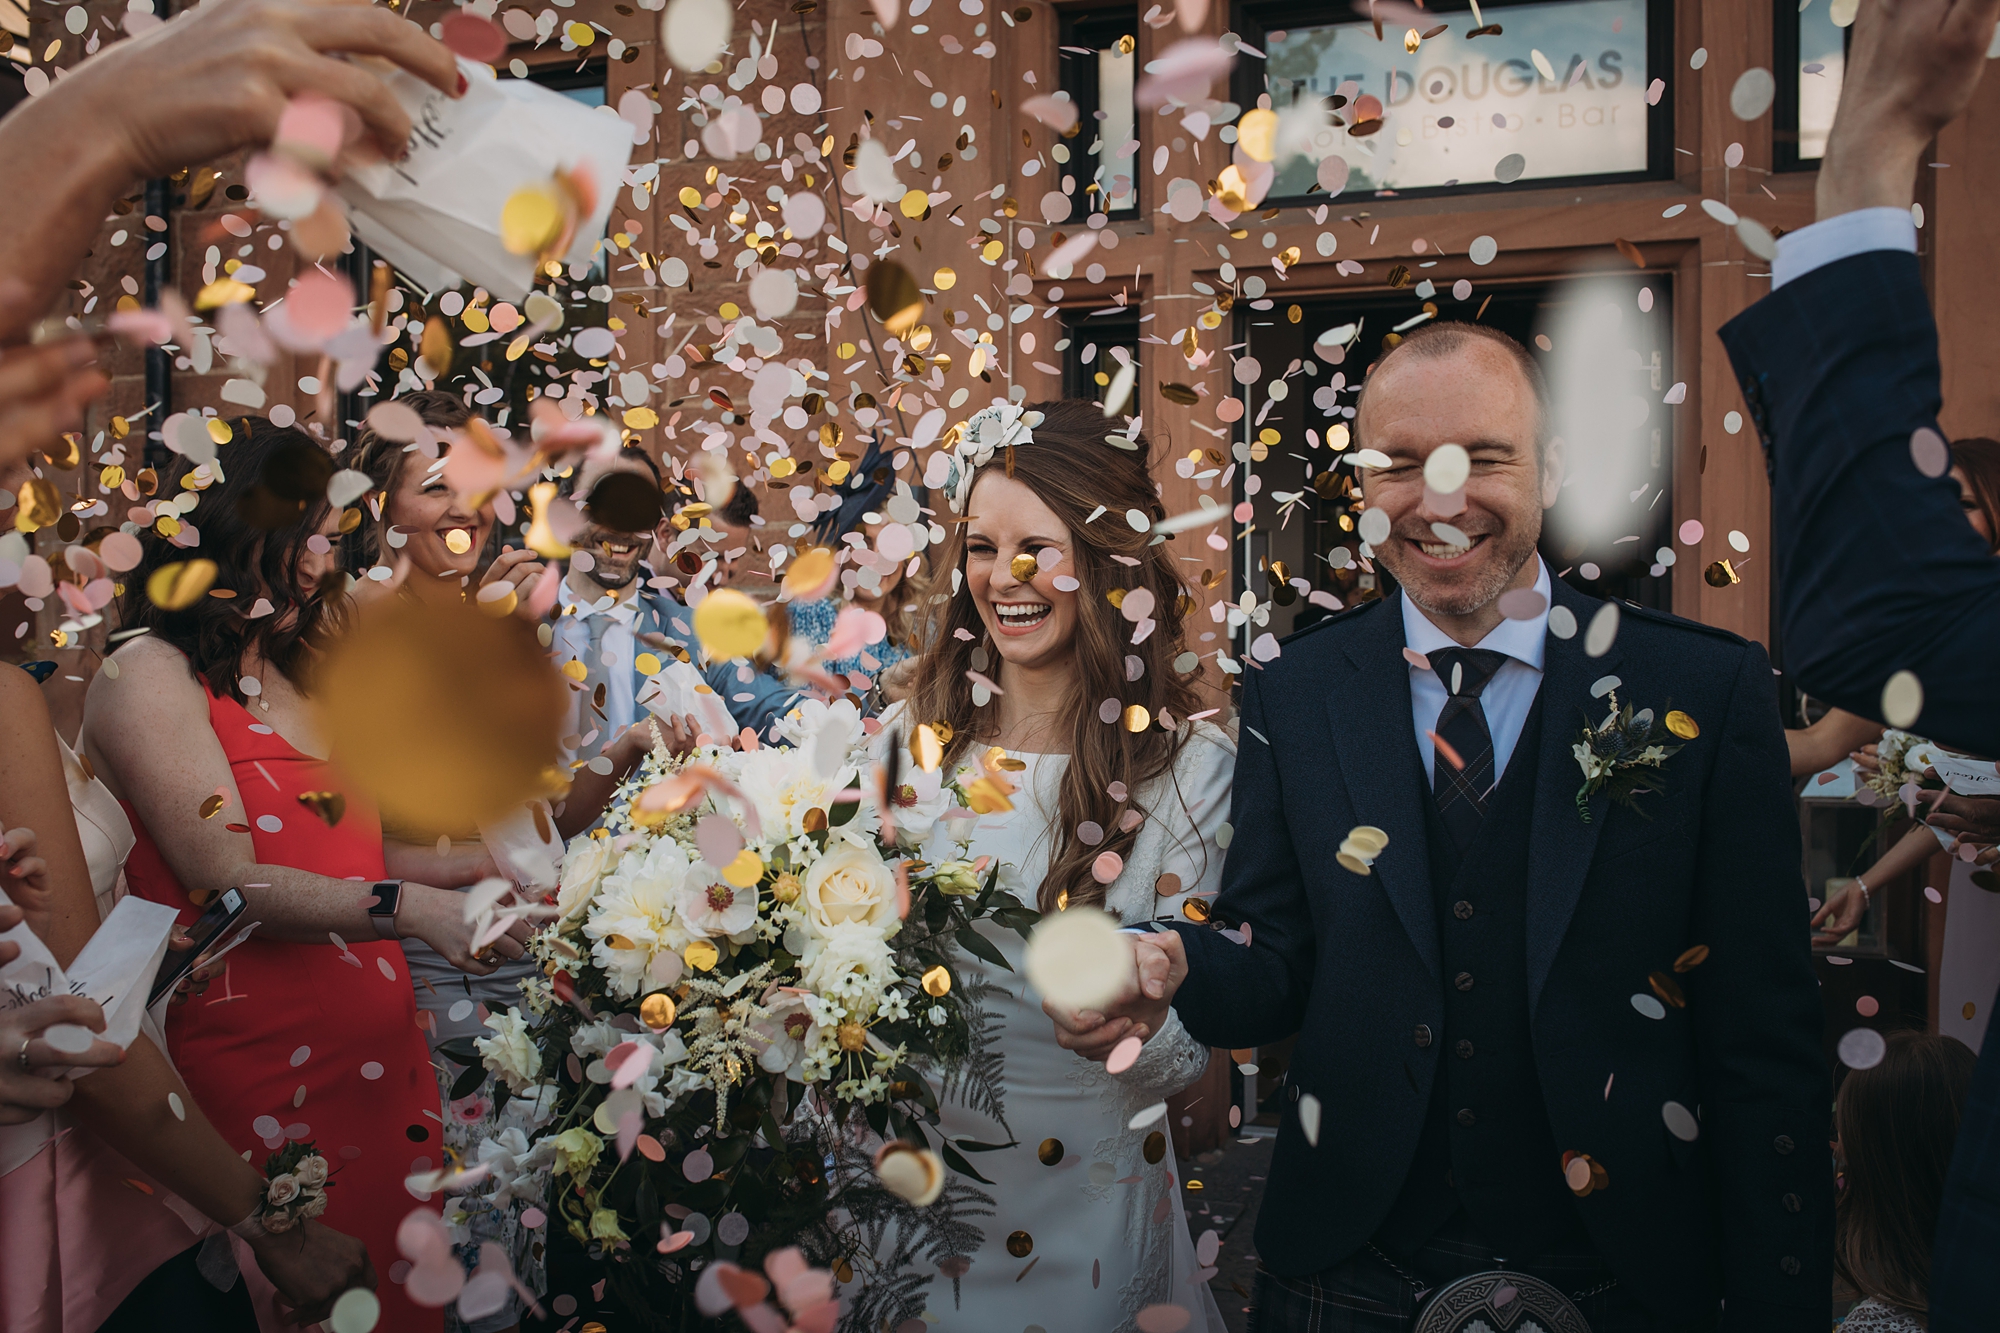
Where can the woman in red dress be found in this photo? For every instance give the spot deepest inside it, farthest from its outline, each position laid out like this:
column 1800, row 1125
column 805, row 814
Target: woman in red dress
column 202, row 728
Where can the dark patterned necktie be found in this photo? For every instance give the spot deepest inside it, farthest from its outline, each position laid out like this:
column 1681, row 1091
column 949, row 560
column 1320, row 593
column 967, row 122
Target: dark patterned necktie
column 1461, row 792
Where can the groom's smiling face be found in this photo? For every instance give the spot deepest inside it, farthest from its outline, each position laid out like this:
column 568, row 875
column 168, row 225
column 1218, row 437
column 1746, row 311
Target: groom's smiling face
column 1474, row 395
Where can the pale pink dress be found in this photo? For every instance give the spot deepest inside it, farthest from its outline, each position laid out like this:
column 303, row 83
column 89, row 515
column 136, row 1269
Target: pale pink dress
column 82, row 1225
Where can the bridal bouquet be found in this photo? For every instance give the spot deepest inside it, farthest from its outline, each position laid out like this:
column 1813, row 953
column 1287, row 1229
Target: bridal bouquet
column 748, row 978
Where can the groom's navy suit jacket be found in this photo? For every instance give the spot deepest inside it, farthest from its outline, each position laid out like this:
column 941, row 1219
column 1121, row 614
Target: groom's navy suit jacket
column 1878, row 572
column 1351, row 963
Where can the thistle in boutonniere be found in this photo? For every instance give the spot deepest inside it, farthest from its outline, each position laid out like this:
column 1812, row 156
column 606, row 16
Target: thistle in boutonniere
column 1622, row 755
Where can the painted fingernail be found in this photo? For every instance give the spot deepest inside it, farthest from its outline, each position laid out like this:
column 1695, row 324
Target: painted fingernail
column 463, row 83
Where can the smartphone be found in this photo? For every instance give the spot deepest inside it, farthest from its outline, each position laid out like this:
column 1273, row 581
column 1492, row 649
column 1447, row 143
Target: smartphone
column 207, row 932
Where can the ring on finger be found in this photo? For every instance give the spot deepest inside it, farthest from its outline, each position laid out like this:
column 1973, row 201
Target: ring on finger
column 21, row 1057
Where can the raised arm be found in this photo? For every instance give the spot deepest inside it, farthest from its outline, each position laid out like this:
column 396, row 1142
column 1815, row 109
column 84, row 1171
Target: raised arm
column 1755, row 1007
column 212, row 81
column 147, row 731
column 126, row 1105
column 1877, row 570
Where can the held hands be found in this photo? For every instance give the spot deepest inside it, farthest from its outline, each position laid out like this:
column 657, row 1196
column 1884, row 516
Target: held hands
column 311, row 1266
column 1159, row 966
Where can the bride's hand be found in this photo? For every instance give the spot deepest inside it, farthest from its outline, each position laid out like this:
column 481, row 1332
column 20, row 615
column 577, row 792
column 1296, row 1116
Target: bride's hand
column 1159, row 966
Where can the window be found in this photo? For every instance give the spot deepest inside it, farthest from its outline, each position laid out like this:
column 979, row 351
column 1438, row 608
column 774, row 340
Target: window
column 1099, row 345
column 1810, row 55
column 1099, row 67
column 1546, row 93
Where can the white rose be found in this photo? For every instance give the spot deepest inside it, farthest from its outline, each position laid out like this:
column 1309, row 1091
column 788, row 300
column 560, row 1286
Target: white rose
column 849, row 885
column 510, row 1052
column 312, row 1172
column 283, row 1188
column 313, row 1207
column 586, row 862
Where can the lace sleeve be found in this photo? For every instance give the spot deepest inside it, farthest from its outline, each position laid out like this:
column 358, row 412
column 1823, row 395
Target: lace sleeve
column 1170, row 1060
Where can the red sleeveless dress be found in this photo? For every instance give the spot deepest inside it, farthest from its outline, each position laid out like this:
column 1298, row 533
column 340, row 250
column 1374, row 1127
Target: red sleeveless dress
column 295, row 1041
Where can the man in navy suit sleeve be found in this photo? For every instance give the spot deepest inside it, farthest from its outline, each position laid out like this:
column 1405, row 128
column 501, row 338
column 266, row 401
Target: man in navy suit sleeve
column 1877, row 570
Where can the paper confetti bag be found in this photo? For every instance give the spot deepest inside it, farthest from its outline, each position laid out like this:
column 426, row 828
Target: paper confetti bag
column 436, row 214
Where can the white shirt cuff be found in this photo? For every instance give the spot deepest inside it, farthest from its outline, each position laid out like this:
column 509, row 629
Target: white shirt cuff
column 1839, row 237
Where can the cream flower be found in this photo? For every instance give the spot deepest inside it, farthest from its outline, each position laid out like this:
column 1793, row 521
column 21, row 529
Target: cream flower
column 587, row 862
column 852, row 966
column 785, row 1030
column 850, row 884
column 785, row 787
column 283, row 1188
column 510, row 1052
column 718, row 908
column 919, row 801
column 311, row 1172
column 635, row 914
column 576, row 1152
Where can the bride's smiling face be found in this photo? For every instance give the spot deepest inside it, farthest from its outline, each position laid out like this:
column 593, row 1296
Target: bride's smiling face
column 1031, row 621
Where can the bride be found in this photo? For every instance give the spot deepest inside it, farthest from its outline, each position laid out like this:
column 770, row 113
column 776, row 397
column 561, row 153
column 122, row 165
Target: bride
column 1075, row 618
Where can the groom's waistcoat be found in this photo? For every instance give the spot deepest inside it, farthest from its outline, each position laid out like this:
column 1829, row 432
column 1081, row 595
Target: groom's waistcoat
column 1486, row 1141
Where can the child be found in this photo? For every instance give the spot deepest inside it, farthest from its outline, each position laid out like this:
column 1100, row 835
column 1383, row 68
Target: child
column 1896, row 1123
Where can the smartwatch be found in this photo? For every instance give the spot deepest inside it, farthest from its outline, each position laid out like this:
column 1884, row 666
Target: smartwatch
column 382, row 912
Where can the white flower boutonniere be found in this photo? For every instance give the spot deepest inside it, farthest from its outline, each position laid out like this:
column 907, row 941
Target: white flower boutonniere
column 1622, row 755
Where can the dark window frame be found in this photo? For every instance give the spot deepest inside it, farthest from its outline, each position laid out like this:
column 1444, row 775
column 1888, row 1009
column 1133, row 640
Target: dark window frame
column 1086, row 27
column 1252, row 19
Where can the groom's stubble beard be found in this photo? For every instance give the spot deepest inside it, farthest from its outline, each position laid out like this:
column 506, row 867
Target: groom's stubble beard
column 1511, row 548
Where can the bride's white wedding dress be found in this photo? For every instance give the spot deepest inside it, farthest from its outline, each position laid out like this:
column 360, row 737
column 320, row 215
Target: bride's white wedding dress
column 1108, row 1232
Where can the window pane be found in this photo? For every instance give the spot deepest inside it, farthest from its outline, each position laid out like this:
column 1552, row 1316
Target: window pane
column 1115, row 176
column 1822, row 57
column 1458, row 105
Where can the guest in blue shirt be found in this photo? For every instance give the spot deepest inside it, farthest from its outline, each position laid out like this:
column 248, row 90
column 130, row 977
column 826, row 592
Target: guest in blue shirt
column 612, row 611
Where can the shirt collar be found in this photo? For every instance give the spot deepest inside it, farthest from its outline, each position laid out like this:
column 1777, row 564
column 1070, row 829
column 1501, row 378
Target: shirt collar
column 1526, row 641
column 586, row 594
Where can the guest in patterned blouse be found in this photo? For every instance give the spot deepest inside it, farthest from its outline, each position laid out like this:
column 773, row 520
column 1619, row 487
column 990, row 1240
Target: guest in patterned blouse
column 890, row 590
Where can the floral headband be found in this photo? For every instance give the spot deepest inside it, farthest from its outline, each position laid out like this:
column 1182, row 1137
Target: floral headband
column 985, row 433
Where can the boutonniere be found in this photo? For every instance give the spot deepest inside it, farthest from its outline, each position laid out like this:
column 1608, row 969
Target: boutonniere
column 1623, row 754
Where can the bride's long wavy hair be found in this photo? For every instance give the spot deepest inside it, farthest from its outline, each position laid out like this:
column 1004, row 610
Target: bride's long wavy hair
column 1071, row 469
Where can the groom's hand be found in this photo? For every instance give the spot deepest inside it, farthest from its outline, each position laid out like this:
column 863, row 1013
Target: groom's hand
column 1159, row 966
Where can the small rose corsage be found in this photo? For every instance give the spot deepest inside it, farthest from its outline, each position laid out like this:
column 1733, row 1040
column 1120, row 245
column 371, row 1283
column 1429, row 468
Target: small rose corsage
column 295, row 1188
column 1622, row 755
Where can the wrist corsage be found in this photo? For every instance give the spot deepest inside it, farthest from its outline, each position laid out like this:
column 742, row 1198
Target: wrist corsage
column 1621, row 756
column 295, row 1188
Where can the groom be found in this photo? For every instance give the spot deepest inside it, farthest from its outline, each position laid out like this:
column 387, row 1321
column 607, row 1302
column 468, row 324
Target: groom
column 1584, row 1048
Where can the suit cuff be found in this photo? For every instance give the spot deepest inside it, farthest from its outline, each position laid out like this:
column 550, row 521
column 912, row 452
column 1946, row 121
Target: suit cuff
column 1842, row 236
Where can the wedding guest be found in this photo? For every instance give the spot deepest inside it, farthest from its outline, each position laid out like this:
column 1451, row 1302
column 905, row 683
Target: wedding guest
column 212, row 80
column 1839, row 370
column 1517, row 964
column 1110, row 818
column 414, row 514
column 877, row 585
column 441, row 545
column 611, row 611
column 736, row 519
column 1896, row 1123
column 204, row 731
column 87, row 1247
